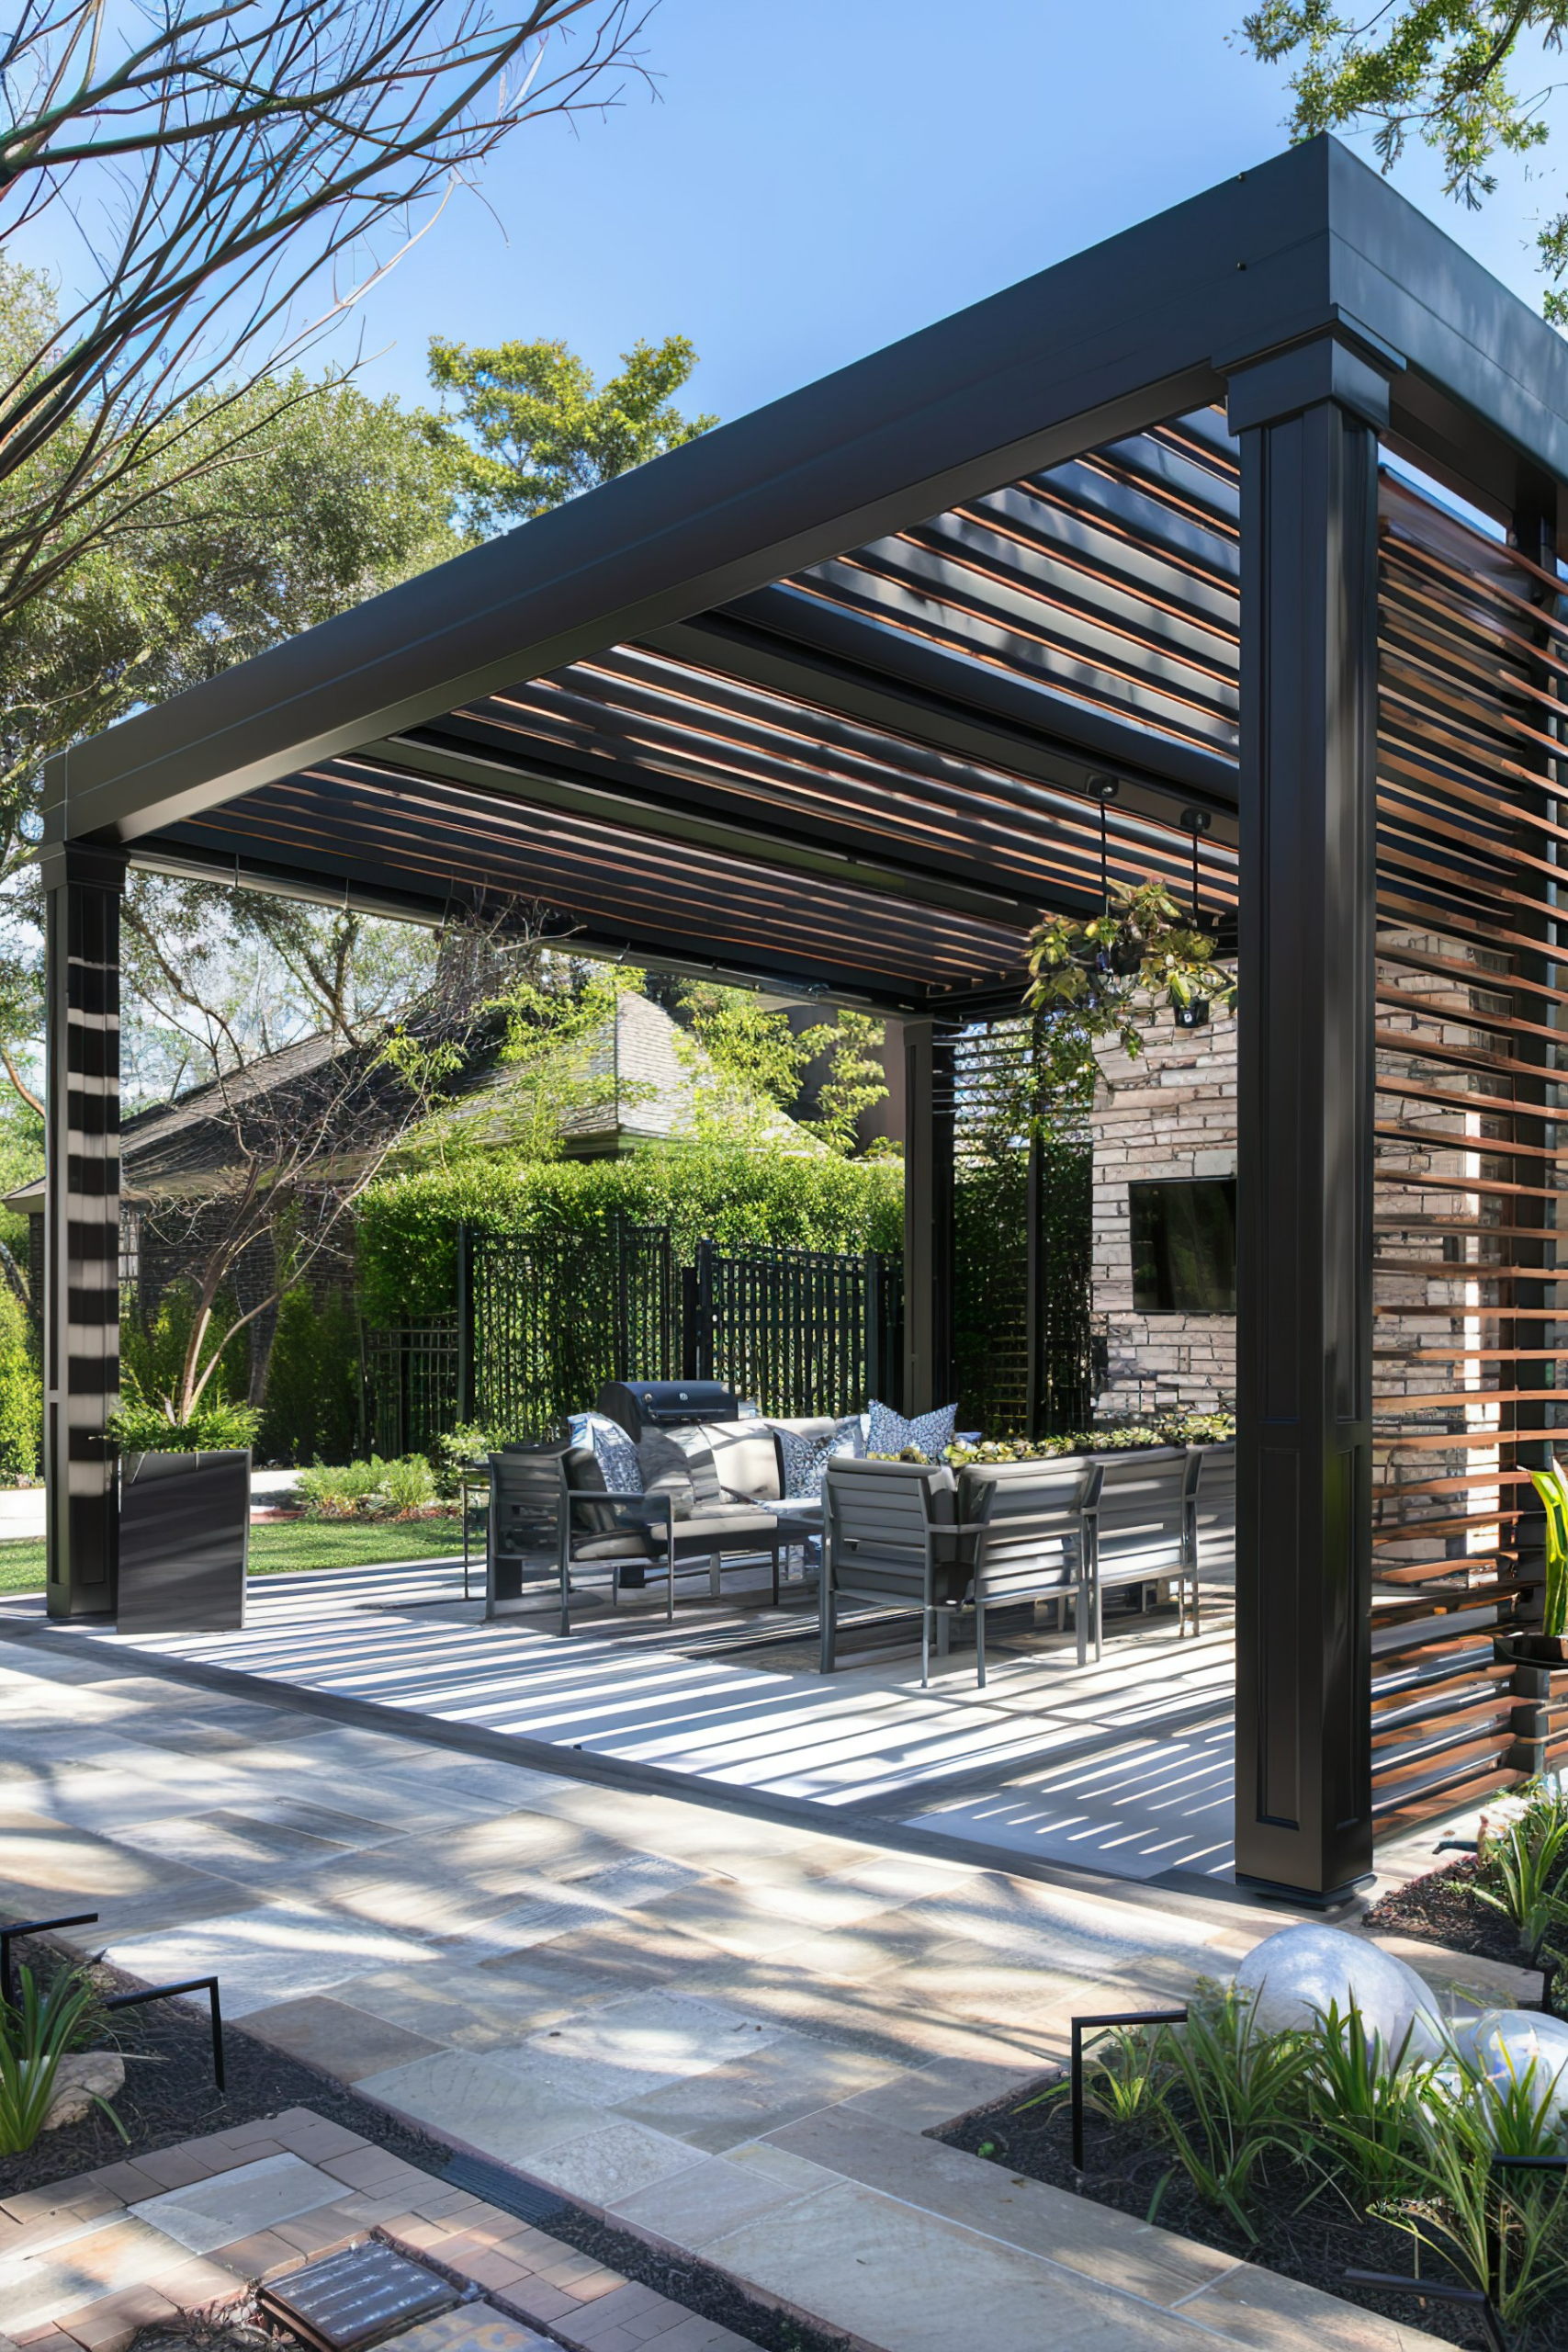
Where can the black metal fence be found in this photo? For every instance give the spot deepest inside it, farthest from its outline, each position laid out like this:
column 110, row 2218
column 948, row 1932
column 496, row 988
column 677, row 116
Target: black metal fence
column 543, row 1322
column 547, row 1322
column 798, row 1331
column 409, row 1387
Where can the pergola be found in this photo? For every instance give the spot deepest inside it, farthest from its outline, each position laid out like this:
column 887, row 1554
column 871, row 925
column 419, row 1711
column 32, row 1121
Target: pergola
column 838, row 698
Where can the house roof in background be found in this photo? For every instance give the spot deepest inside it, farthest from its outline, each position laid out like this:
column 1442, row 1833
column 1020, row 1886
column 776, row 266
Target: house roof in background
column 655, row 1073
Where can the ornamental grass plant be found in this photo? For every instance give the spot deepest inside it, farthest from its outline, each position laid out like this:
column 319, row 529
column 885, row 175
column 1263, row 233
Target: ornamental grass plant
column 37, row 2032
column 1266, row 2126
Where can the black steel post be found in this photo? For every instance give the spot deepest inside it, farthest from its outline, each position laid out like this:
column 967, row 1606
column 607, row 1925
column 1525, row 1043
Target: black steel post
column 871, row 1302
column 703, row 1353
column 1308, row 418
column 83, row 887
column 928, row 1218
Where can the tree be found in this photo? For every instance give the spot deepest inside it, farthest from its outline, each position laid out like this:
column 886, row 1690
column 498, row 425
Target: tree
column 289, row 1150
column 1443, row 70
column 759, row 1062
column 219, row 171
column 331, row 498
column 534, row 428
column 304, row 497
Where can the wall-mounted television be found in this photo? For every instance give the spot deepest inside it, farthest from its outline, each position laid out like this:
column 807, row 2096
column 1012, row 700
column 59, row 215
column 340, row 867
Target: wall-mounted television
column 1184, row 1246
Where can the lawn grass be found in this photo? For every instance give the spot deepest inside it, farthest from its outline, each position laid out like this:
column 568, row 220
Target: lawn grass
column 280, row 1547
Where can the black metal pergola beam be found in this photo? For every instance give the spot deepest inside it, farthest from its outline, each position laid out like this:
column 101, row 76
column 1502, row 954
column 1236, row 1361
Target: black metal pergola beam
column 1135, row 329
column 329, row 878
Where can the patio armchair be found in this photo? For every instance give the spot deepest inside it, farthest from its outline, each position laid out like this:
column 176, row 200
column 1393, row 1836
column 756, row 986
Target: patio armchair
column 1146, row 1528
column 894, row 1536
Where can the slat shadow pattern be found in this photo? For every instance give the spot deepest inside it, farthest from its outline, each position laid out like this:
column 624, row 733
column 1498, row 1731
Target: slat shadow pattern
column 1468, row 1335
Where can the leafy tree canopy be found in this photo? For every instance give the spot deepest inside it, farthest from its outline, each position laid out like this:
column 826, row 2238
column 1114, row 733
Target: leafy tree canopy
column 760, row 1062
column 532, row 427
column 1470, row 78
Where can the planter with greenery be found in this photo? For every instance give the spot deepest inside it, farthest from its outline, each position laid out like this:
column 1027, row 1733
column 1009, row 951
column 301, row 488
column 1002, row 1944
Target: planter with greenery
column 1102, row 978
column 185, row 1517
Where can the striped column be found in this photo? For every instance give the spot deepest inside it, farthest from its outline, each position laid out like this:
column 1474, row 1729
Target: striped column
column 82, row 889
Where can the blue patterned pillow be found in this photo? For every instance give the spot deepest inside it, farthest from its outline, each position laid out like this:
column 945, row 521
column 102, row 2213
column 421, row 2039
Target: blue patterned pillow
column 890, row 1432
column 612, row 1450
column 805, row 1459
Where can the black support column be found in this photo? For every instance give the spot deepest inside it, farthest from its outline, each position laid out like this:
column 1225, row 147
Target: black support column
column 1308, row 418
column 83, row 887
column 928, row 1218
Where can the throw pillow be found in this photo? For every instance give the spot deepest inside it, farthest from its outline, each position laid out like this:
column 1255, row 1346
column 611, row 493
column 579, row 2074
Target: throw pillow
column 805, row 1459
column 890, row 1432
column 612, row 1450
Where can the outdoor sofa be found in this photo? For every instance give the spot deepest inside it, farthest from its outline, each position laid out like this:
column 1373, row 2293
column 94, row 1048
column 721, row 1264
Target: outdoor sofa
column 552, row 1521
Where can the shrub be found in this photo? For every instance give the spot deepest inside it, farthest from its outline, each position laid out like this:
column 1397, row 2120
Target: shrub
column 311, row 1408
column 408, row 1487
column 406, row 1235
column 373, row 1489
column 340, row 1491
column 470, row 1442
column 21, row 1391
column 153, row 1347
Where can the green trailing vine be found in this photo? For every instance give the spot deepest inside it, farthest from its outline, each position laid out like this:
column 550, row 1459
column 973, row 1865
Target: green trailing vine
column 1094, row 978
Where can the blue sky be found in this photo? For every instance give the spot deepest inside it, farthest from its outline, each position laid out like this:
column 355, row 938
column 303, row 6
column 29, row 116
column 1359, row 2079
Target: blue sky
column 816, row 179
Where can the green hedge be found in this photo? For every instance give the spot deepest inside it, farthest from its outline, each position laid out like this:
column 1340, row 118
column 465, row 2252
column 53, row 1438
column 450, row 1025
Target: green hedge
column 742, row 1200
column 21, row 1391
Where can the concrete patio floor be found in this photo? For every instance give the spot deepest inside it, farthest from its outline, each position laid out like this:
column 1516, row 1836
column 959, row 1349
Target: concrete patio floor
column 1123, row 1767
column 726, row 2033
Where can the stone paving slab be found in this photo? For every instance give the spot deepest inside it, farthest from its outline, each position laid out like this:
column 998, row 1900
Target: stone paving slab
column 211, row 2213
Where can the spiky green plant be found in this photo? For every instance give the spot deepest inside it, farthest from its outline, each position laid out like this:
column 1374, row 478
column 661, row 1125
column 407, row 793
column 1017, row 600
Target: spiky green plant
column 1522, row 1864
column 34, row 2035
column 1552, row 1488
column 1367, row 2103
column 1234, row 2097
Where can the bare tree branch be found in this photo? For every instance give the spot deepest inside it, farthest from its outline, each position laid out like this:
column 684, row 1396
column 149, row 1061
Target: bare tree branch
column 228, row 177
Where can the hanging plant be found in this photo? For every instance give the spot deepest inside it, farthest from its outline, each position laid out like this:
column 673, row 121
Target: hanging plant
column 1094, row 975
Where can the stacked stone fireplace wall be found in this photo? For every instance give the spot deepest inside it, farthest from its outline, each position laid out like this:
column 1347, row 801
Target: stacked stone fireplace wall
column 1168, row 1114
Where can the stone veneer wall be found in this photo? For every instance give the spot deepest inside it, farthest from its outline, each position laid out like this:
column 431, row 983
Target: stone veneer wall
column 1168, row 1113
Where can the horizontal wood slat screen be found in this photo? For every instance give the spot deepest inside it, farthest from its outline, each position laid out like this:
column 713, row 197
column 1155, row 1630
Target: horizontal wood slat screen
column 1469, row 1324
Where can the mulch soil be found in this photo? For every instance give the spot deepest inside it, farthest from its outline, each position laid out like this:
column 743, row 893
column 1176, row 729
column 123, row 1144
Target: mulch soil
column 1316, row 2246
column 170, row 2095
column 1443, row 1908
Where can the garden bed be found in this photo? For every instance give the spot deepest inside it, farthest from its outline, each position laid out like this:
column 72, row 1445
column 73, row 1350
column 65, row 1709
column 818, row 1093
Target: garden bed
column 1444, row 1908
column 170, row 2095
column 1316, row 2246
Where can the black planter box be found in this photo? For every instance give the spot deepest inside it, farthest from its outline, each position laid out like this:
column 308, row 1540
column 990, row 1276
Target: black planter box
column 185, row 1540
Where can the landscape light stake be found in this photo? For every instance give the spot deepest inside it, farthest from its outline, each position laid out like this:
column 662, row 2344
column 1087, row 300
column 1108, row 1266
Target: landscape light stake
column 1120, row 2016
column 31, row 1928
column 1392, row 2282
column 208, row 1985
